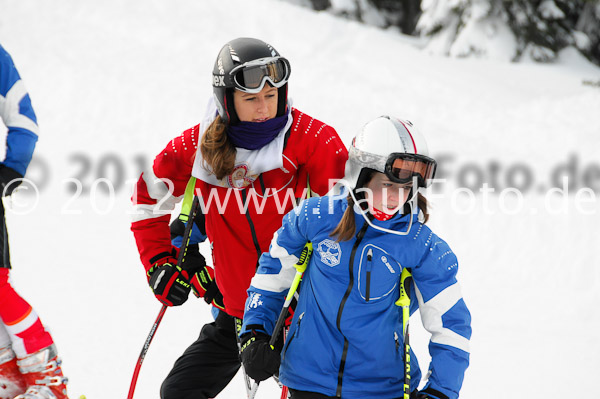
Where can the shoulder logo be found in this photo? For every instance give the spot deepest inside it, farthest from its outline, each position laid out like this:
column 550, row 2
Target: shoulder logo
column 255, row 301
column 330, row 252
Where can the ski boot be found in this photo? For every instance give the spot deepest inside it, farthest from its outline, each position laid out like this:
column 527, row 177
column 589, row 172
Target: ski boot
column 43, row 374
column 12, row 382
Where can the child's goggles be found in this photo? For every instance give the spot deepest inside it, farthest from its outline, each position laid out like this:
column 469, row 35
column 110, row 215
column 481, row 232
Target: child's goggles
column 403, row 168
column 251, row 76
column 399, row 167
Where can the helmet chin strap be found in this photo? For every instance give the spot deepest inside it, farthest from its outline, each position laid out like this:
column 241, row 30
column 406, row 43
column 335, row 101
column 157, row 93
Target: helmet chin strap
column 367, row 219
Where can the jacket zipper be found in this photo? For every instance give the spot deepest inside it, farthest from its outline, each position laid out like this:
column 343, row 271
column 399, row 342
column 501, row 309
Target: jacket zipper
column 359, row 238
column 252, row 229
column 369, row 267
column 293, row 336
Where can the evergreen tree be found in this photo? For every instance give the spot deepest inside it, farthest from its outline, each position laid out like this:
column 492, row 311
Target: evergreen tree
column 402, row 14
column 511, row 29
column 544, row 27
column 500, row 29
column 464, row 28
column 588, row 30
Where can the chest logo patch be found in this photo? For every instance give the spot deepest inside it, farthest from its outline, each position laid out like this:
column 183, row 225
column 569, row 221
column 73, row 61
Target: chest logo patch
column 384, row 259
column 330, row 252
column 240, row 177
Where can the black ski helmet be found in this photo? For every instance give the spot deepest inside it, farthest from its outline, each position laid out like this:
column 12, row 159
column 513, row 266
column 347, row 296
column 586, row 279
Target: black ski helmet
column 233, row 56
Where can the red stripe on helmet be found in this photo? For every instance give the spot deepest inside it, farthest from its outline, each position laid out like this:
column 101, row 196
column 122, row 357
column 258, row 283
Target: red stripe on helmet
column 411, row 137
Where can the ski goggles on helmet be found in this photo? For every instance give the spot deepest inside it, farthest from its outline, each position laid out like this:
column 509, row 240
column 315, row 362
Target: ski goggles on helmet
column 250, row 77
column 399, row 167
column 403, row 168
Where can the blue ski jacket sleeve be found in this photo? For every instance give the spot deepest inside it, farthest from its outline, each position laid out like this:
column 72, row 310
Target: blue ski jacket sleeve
column 346, row 319
column 18, row 116
column 196, row 237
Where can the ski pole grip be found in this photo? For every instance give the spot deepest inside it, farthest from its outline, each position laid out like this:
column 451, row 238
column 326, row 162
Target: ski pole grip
column 300, row 269
column 405, row 284
column 304, row 258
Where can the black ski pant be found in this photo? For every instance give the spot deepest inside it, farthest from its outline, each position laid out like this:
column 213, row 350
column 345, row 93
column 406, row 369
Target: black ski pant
column 295, row 394
column 5, row 253
column 207, row 366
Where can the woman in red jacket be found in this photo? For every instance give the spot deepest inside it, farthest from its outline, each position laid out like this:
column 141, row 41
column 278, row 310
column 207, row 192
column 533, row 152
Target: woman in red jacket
column 252, row 156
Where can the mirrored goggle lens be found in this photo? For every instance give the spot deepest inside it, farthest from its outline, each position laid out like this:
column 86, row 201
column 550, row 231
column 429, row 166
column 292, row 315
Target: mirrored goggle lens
column 252, row 77
column 403, row 168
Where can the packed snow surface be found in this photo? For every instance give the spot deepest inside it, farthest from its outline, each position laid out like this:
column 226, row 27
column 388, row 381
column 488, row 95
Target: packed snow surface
column 112, row 82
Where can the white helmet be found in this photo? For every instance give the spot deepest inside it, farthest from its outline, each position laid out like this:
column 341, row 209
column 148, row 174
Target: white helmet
column 392, row 146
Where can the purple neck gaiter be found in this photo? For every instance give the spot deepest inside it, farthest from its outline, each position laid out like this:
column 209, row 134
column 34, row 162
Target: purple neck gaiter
column 254, row 135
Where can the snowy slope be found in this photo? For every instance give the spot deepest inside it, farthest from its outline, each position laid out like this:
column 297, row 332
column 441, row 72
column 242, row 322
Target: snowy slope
column 112, row 82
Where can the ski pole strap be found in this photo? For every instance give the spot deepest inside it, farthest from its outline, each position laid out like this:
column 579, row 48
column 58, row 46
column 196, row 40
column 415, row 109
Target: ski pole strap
column 188, row 198
column 405, row 283
column 238, row 325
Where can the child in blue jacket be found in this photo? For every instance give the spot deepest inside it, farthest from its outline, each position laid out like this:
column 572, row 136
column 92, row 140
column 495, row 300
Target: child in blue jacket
column 346, row 336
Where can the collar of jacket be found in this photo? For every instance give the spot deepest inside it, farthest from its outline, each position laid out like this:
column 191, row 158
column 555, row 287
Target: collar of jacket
column 398, row 222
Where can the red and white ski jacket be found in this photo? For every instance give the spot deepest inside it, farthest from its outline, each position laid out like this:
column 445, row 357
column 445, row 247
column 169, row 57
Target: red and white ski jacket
column 240, row 223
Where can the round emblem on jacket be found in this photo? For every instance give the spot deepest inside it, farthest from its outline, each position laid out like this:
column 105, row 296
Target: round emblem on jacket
column 240, row 178
column 330, row 252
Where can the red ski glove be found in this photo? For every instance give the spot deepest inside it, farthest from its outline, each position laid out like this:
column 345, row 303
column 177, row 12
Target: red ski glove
column 170, row 284
column 205, row 286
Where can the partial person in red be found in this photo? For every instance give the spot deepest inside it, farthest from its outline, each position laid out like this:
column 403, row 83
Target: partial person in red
column 29, row 365
column 253, row 156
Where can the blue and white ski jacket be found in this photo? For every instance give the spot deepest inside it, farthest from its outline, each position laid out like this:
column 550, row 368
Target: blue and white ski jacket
column 346, row 339
column 17, row 114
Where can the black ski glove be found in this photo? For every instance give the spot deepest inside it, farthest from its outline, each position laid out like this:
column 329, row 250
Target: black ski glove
column 428, row 393
column 259, row 359
column 8, row 179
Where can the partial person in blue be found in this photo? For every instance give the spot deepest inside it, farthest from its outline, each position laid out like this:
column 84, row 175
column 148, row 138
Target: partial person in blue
column 346, row 339
column 29, row 364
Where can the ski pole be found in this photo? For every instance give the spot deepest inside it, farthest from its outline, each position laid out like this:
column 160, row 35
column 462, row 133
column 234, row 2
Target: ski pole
column 250, row 388
column 138, row 365
column 300, row 269
column 180, row 258
column 285, row 394
column 404, row 302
